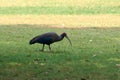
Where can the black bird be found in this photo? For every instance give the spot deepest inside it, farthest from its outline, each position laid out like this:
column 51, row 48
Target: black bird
column 48, row 38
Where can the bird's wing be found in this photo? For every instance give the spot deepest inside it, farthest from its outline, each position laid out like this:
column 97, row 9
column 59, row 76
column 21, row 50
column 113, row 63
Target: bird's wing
column 51, row 35
column 45, row 40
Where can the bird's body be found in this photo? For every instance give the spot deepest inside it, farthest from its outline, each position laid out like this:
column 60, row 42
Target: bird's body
column 47, row 38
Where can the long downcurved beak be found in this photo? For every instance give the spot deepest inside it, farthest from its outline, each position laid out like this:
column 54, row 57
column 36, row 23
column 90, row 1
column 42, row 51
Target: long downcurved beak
column 68, row 40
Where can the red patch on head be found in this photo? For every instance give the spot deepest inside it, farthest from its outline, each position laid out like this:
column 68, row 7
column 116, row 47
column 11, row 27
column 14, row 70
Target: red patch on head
column 64, row 34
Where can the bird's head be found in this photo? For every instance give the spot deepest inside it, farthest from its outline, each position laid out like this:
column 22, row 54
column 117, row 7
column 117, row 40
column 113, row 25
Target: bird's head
column 65, row 35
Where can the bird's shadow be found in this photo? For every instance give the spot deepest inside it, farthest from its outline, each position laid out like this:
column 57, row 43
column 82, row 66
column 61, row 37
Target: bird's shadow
column 52, row 51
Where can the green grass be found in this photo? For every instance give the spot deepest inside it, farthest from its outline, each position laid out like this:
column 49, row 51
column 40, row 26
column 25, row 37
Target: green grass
column 59, row 10
column 65, row 7
column 95, row 54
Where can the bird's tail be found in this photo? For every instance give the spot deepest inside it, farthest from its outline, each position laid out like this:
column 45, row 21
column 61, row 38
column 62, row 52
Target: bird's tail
column 32, row 41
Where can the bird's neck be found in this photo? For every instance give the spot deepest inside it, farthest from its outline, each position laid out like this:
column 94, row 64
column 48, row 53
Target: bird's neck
column 61, row 37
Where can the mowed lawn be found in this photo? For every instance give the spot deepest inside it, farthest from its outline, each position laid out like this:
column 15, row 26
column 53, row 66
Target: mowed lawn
column 57, row 13
column 92, row 25
column 94, row 55
column 62, row 7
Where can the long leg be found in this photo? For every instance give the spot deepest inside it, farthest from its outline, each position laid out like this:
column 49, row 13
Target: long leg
column 43, row 47
column 49, row 47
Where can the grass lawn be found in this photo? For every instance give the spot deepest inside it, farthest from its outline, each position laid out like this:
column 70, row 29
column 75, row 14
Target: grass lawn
column 58, row 7
column 95, row 54
column 72, row 13
column 92, row 25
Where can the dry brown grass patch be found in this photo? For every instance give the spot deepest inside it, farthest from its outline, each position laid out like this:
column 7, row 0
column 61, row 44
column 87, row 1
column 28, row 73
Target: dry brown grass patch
column 73, row 21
